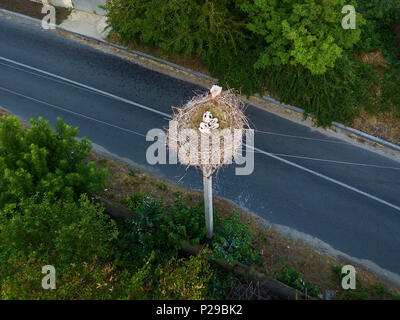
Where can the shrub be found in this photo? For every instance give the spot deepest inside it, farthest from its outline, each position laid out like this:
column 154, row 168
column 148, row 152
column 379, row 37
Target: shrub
column 138, row 237
column 83, row 281
column 376, row 34
column 157, row 228
column 164, row 229
column 179, row 26
column 220, row 284
column 293, row 278
column 305, row 32
column 40, row 160
column 334, row 96
column 136, row 286
column 233, row 241
column 59, row 232
column 183, row 279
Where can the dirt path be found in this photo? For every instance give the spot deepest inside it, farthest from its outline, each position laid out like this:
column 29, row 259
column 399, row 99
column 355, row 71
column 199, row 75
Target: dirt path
column 32, row 9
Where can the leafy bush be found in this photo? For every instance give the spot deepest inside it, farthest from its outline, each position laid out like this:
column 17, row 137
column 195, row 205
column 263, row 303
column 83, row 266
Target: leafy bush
column 59, row 232
column 139, row 237
column 40, row 160
column 300, row 32
column 334, row 96
column 380, row 15
column 74, row 237
column 157, row 228
column 164, row 229
column 138, row 285
column 233, row 241
column 83, row 280
column 183, row 279
column 179, row 26
column 220, row 284
column 293, row 278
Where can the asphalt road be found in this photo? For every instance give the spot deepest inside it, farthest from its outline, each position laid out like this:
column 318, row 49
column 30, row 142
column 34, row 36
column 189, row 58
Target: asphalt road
column 351, row 221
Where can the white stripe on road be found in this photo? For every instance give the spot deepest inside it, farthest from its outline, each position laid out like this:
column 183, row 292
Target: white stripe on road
column 326, row 178
column 169, row 116
column 71, row 112
column 86, row 87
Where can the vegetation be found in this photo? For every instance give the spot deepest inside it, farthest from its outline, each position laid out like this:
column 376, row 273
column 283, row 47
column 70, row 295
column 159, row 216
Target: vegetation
column 42, row 161
column 96, row 257
column 48, row 217
column 293, row 278
column 362, row 292
column 306, row 33
column 294, row 49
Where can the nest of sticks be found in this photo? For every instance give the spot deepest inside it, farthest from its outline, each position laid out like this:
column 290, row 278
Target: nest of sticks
column 208, row 152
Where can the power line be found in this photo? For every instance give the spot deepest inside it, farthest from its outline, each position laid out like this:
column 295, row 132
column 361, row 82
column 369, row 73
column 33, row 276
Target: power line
column 328, row 160
column 300, row 137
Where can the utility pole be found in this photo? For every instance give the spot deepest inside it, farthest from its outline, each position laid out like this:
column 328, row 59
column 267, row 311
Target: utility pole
column 208, row 206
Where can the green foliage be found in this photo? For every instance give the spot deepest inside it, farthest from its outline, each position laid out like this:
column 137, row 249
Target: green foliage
column 59, row 232
column 183, row 279
column 380, row 15
column 165, row 229
column 74, row 237
column 40, row 160
column 139, row 237
column 300, row 32
column 297, row 49
column 158, row 228
column 293, row 278
column 91, row 280
column 335, row 95
column 136, row 286
column 233, row 241
column 390, row 90
column 377, row 291
column 220, row 284
column 179, row 26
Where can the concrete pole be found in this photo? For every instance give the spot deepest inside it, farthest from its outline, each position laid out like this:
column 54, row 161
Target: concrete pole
column 208, row 207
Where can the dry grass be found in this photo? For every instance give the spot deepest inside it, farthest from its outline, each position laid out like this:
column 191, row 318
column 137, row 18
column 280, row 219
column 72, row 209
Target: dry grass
column 383, row 125
column 225, row 119
column 374, row 58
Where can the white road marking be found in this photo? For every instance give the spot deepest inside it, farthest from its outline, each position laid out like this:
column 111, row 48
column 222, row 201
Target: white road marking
column 71, row 112
column 86, row 87
column 169, row 117
column 327, row 178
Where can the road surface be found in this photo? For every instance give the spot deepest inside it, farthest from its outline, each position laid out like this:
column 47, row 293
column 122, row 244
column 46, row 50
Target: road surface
column 355, row 209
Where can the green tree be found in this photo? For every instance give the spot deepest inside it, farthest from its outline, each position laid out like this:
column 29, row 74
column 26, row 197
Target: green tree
column 300, row 32
column 188, row 27
column 40, row 160
column 60, row 232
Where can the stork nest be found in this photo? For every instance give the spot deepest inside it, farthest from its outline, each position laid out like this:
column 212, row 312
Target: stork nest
column 208, row 152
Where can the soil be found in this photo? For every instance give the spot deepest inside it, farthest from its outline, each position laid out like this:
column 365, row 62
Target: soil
column 32, row 9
